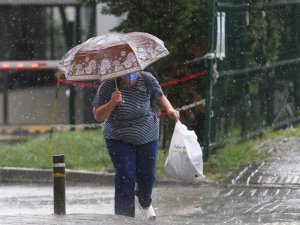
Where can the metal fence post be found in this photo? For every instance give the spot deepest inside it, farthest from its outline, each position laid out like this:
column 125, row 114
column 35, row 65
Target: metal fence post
column 210, row 61
column 72, row 96
column 59, row 191
column 4, row 89
column 296, row 35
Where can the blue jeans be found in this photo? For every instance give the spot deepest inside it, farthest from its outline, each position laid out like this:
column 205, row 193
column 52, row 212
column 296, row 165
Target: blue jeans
column 135, row 169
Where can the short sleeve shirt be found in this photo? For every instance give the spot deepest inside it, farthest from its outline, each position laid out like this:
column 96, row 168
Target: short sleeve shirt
column 135, row 121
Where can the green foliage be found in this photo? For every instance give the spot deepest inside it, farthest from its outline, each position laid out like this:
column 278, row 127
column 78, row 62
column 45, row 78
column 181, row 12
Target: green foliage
column 289, row 132
column 181, row 24
column 232, row 158
column 82, row 150
column 264, row 35
column 248, row 46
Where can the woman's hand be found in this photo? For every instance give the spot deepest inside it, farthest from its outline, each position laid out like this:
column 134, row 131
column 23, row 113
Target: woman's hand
column 173, row 114
column 164, row 103
column 116, row 98
column 102, row 112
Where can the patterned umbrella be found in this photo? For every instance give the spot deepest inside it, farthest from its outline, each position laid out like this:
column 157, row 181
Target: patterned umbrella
column 111, row 55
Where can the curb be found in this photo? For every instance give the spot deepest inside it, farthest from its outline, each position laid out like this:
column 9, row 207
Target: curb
column 45, row 176
column 14, row 175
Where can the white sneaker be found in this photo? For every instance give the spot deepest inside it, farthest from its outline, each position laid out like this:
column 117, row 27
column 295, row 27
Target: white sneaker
column 148, row 212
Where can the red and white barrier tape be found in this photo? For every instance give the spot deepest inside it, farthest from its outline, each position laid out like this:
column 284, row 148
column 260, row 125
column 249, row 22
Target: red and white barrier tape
column 184, row 79
column 164, row 84
column 190, row 106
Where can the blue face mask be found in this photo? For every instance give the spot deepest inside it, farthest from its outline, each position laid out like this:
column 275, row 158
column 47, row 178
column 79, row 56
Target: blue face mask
column 131, row 77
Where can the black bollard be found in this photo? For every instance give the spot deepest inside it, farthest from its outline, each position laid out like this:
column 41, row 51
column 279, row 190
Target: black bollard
column 59, row 191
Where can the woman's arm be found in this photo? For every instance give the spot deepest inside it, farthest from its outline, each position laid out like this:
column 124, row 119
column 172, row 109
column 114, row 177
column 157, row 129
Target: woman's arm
column 102, row 112
column 165, row 104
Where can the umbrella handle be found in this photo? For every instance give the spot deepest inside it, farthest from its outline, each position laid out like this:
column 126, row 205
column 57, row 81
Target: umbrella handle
column 117, row 88
column 116, row 83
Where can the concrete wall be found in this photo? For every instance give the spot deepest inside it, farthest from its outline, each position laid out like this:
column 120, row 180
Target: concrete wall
column 35, row 105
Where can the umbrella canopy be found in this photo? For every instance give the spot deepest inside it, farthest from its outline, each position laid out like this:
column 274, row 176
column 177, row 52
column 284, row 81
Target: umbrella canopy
column 111, row 55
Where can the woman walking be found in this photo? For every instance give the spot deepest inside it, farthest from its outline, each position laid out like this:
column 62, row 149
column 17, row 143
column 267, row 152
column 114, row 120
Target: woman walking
column 131, row 132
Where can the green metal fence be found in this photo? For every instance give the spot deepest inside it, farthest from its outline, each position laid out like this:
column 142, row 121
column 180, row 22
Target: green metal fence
column 256, row 85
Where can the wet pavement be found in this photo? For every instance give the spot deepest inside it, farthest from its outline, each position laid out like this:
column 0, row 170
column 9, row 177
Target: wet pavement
column 282, row 170
column 267, row 194
column 33, row 204
column 208, row 204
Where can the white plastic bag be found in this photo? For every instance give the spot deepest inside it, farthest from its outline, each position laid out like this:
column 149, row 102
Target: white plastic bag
column 184, row 161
